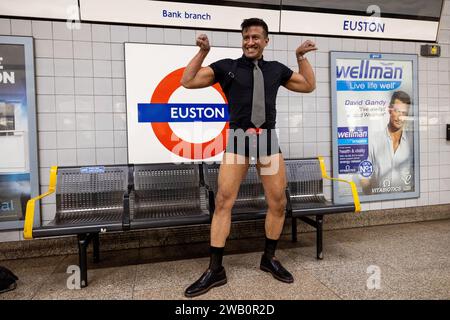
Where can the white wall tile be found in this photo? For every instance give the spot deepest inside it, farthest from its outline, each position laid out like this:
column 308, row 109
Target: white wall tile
column 104, row 121
column 21, row 27
column 120, row 121
column 62, row 49
column 67, row 157
column 119, row 34
column 86, row 139
column 45, row 103
column 83, row 68
column 101, row 33
column 101, row 50
column 120, row 156
column 105, row 156
column 102, row 68
column 47, row 140
column 65, row 122
column 85, row 121
column 84, row 86
column 103, row 86
column 45, row 85
column 44, row 67
column 66, row 140
column 82, row 50
column 138, row 34
column 61, row 31
column 104, row 139
column 5, row 26
column 46, row 121
column 65, row 103
column 120, row 139
column 172, row 36
column 64, row 85
column 43, row 48
column 155, row 35
column 84, row 33
column 64, row 67
column 86, row 157
column 42, row 29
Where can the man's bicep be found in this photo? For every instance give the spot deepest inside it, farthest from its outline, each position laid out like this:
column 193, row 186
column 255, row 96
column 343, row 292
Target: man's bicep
column 297, row 83
column 204, row 78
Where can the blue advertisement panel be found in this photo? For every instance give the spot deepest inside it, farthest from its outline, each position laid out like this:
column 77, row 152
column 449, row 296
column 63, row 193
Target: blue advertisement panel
column 18, row 160
column 375, row 125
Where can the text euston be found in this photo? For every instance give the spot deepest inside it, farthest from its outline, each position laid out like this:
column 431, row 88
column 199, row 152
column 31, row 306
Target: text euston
column 364, row 26
column 185, row 15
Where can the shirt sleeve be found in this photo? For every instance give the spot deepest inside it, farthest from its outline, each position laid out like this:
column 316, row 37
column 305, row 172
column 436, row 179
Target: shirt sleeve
column 220, row 68
column 285, row 74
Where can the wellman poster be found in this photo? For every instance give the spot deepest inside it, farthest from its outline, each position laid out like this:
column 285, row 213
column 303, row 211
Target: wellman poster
column 18, row 145
column 375, row 125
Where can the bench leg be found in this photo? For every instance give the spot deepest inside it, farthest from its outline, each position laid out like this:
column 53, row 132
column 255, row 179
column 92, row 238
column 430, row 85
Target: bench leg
column 96, row 244
column 319, row 237
column 83, row 242
column 294, row 229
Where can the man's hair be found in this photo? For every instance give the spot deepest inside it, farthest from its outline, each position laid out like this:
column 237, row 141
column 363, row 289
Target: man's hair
column 255, row 22
column 402, row 96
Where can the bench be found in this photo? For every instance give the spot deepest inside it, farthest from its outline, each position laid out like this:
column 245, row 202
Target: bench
column 94, row 200
column 306, row 198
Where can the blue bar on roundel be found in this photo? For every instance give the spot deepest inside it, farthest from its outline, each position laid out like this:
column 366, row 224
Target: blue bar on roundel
column 182, row 112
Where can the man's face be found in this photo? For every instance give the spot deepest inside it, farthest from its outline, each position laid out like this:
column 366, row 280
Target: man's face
column 397, row 114
column 253, row 42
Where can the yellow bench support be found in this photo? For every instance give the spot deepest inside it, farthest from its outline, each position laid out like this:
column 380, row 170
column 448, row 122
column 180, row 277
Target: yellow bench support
column 29, row 215
column 351, row 183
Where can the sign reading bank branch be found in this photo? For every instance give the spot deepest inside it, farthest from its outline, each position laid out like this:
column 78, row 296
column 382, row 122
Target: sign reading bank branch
column 375, row 125
column 166, row 122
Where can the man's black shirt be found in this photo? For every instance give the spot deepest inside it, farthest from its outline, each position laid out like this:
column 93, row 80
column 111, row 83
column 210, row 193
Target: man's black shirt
column 238, row 88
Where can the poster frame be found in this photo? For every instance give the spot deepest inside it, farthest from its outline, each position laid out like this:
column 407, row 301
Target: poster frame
column 334, row 56
column 28, row 44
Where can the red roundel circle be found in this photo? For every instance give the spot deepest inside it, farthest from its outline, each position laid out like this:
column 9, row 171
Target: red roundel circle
column 169, row 139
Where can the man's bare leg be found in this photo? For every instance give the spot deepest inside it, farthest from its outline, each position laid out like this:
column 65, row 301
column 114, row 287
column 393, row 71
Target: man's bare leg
column 272, row 172
column 274, row 189
column 232, row 170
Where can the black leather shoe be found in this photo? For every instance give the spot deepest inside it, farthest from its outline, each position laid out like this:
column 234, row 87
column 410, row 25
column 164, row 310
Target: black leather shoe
column 274, row 266
column 207, row 281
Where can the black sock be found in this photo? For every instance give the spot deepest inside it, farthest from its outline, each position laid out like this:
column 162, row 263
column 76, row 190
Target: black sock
column 271, row 246
column 215, row 262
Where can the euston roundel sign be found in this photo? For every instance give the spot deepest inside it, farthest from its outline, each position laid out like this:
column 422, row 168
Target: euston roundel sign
column 160, row 112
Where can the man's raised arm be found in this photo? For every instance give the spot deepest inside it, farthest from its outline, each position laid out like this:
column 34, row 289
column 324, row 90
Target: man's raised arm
column 304, row 80
column 195, row 76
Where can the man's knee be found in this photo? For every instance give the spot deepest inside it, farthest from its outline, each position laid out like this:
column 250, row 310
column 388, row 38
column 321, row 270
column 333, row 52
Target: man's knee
column 277, row 203
column 224, row 200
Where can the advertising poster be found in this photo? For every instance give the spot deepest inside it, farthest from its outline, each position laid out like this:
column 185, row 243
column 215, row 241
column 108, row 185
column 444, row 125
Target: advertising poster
column 166, row 122
column 18, row 160
column 375, row 125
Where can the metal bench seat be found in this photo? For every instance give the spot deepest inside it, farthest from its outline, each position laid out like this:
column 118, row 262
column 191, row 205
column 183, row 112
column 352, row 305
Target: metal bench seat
column 168, row 195
column 87, row 200
column 306, row 197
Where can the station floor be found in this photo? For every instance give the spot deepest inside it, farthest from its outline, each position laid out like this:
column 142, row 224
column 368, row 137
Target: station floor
column 413, row 261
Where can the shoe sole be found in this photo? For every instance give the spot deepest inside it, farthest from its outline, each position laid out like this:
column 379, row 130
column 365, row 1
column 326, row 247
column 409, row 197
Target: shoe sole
column 199, row 293
column 275, row 276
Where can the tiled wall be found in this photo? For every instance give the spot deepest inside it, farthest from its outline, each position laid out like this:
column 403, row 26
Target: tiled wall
column 81, row 98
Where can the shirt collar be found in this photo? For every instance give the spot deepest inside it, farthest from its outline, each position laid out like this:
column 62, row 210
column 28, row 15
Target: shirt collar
column 248, row 61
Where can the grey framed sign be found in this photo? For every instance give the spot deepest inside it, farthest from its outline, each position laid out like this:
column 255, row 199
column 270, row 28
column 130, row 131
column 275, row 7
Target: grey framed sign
column 375, row 127
column 18, row 161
